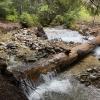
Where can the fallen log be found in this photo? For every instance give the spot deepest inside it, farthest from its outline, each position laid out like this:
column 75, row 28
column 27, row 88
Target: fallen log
column 61, row 60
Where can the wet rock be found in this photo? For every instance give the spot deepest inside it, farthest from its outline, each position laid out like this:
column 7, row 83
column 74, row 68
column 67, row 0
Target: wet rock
column 82, row 81
column 71, row 42
column 9, row 86
column 86, row 38
column 40, row 32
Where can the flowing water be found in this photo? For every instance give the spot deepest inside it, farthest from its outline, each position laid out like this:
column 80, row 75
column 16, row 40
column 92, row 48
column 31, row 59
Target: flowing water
column 62, row 87
column 66, row 35
column 69, row 36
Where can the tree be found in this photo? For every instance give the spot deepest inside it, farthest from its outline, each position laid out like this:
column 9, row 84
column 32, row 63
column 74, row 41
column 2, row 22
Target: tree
column 5, row 8
column 94, row 7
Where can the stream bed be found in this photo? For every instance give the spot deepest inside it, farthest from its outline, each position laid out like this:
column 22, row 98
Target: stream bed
column 63, row 86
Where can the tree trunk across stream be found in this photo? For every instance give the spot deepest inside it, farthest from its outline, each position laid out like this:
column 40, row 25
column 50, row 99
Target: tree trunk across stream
column 62, row 60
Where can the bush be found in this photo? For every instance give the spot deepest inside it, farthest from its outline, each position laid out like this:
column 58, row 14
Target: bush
column 58, row 20
column 12, row 18
column 28, row 20
column 46, row 15
column 70, row 18
column 35, row 20
column 84, row 14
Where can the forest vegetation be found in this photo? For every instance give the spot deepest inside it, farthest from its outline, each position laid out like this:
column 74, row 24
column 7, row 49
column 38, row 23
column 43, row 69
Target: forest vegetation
column 48, row 12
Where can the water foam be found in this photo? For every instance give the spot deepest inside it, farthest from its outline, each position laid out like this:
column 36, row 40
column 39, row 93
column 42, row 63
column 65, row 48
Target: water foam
column 61, row 88
column 57, row 86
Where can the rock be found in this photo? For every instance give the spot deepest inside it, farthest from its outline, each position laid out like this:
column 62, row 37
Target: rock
column 82, row 81
column 2, row 43
column 87, row 83
column 24, row 24
column 96, row 69
column 9, row 86
column 71, row 42
column 11, row 46
column 86, row 38
column 92, row 70
column 30, row 59
column 40, row 32
column 93, row 76
column 89, row 70
column 67, row 52
column 3, row 66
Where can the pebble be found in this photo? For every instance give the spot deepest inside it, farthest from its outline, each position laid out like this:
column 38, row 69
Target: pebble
column 90, row 77
column 93, row 76
column 90, row 70
column 11, row 46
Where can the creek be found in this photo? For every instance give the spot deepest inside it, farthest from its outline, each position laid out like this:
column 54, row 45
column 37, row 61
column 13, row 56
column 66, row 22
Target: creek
column 63, row 86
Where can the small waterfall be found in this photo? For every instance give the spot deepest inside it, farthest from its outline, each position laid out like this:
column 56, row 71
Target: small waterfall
column 30, row 86
column 60, row 87
column 50, row 85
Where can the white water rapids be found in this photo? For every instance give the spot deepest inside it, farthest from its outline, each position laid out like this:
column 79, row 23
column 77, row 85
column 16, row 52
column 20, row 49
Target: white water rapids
column 63, row 88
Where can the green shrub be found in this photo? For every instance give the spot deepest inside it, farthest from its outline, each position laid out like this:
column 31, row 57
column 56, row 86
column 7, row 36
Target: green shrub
column 12, row 18
column 45, row 14
column 35, row 20
column 84, row 14
column 58, row 20
column 70, row 18
column 29, row 20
